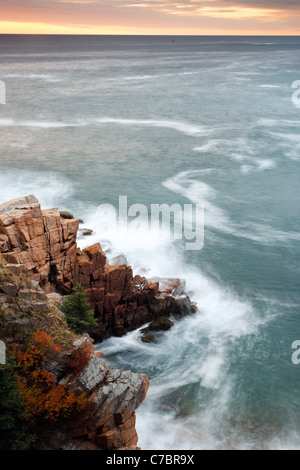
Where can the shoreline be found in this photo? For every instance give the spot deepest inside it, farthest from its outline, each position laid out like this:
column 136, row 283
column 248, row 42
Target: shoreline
column 42, row 246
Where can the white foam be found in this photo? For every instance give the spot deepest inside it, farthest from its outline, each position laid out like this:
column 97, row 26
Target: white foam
column 275, row 122
column 269, row 86
column 33, row 76
column 290, row 143
column 267, row 234
column 294, row 138
column 137, row 77
column 222, row 320
column 265, row 164
column 51, row 189
column 153, row 77
column 8, row 122
column 236, row 149
column 259, row 165
column 185, row 128
column 187, row 184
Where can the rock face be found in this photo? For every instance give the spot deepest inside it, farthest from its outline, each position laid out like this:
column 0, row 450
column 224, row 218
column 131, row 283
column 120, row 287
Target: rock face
column 40, row 240
column 108, row 422
column 41, row 244
column 44, row 243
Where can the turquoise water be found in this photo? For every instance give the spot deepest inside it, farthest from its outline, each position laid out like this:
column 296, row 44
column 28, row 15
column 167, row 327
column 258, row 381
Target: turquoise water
column 201, row 120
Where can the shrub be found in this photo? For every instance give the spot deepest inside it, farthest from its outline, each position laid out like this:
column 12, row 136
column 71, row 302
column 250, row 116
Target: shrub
column 41, row 350
column 15, row 432
column 77, row 309
column 44, row 398
column 77, row 361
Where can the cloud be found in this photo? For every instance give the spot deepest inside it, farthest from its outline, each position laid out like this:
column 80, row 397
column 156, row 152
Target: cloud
column 245, row 15
column 234, row 9
column 193, row 6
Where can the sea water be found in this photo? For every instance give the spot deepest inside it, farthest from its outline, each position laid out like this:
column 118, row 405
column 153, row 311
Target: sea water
column 178, row 120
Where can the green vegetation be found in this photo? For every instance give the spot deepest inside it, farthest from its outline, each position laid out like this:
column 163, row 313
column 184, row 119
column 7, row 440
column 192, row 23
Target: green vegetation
column 79, row 315
column 15, row 432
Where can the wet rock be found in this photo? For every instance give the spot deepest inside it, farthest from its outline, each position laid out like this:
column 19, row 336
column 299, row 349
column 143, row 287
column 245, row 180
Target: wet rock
column 85, row 232
column 44, row 243
column 119, row 260
column 161, row 324
column 148, row 338
column 66, row 215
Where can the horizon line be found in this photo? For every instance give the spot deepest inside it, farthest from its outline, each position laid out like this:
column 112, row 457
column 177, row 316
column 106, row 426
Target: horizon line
column 148, row 35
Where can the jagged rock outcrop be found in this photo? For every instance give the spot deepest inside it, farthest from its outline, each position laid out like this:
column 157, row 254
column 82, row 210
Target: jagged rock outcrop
column 44, row 243
column 108, row 422
column 41, row 245
column 40, row 240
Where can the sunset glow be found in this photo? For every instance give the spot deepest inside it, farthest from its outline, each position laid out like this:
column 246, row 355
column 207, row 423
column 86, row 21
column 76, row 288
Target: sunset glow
column 232, row 17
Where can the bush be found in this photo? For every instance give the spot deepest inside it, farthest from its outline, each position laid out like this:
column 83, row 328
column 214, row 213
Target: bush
column 44, row 399
column 15, row 432
column 76, row 307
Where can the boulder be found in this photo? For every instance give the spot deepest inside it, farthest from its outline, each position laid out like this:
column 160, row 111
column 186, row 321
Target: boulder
column 85, row 232
column 119, row 260
column 66, row 215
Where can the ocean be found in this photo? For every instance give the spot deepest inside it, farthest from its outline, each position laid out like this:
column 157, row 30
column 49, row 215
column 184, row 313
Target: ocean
column 211, row 121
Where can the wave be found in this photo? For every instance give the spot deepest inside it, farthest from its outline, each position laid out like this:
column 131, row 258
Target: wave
column 260, row 165
column 8, row 122
column 290, row 144
column 198, row 192
column 33, row 76
column 269, row 86
column 237, row 149
column 275, row 122
column 185, row 128
column 208, row 337
column 294, row 138
column 168, row 418
column 51, row 189
column 154, row 76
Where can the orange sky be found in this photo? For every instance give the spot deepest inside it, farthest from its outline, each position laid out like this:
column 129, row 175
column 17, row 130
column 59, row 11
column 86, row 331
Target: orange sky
column 261, row 17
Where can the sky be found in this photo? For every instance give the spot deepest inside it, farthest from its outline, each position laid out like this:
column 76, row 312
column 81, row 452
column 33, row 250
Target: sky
column 166, row 17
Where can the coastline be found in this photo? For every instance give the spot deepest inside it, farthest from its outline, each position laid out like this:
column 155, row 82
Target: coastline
column 40, row 245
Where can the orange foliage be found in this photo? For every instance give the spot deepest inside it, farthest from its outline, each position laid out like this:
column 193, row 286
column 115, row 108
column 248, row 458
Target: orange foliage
column 42, row 349
column 77, row 361
column 43, row 396
column 51, row 402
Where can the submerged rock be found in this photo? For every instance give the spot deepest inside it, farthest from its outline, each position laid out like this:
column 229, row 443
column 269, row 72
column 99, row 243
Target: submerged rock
column 160, row 324
column 119, row 260
column 148, row 338
column 85, row 232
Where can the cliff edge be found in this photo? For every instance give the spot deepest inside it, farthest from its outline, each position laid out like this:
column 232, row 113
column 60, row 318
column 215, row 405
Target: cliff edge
column 40, row 264
column 45, row 245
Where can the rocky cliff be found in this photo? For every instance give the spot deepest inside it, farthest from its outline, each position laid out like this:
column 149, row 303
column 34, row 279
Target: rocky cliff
column 44, row 243
column 108, row 420
column 40, row 246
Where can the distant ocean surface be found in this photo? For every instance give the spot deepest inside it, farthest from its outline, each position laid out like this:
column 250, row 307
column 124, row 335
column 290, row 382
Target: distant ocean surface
column 179, row 120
